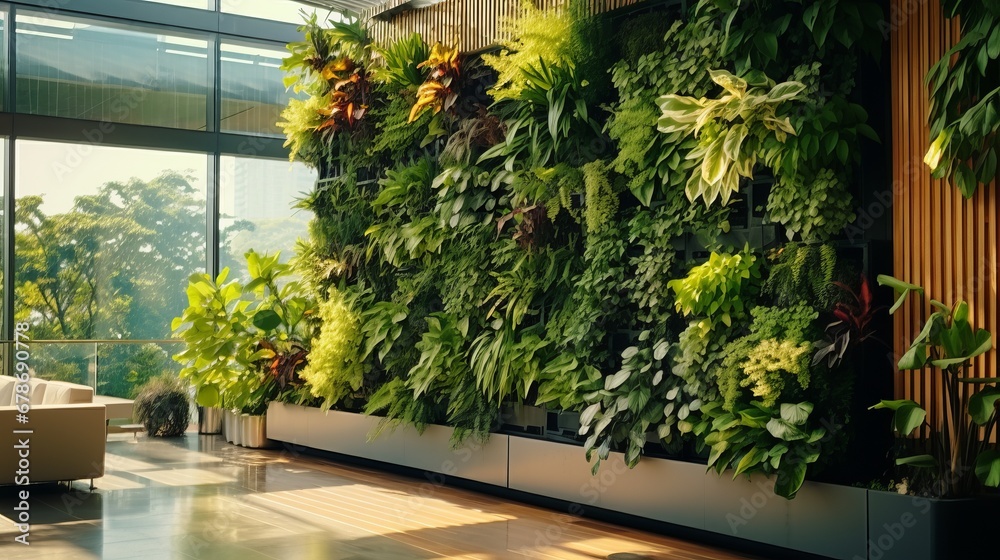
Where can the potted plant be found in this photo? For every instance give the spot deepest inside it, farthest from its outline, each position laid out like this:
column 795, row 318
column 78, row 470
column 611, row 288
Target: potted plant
column 162, row 406
column 961, row 457
column 245, row 342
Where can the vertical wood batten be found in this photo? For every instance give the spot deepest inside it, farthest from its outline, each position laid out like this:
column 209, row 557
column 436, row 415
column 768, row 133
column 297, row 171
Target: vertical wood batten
column 472, row 24
column 941, row 241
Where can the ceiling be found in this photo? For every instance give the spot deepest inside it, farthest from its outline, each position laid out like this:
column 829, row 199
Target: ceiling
column 356, row 6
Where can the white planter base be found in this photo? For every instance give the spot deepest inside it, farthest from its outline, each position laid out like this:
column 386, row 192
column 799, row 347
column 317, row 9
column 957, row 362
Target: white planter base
column 823, row 519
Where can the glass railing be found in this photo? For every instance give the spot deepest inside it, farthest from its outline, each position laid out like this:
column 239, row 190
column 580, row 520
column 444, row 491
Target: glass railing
column 112, row 367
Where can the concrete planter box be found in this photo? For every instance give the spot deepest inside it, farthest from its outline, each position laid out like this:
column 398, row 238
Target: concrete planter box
column 913, row 528
column 349, row 433
column 824, row 519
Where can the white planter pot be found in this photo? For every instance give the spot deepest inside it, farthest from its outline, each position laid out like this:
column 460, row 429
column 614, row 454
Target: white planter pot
column 232, row 427
column 254, row 431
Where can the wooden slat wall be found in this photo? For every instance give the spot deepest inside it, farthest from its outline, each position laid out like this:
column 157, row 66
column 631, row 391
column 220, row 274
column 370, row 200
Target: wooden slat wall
column 473, row 24
column 941, row 241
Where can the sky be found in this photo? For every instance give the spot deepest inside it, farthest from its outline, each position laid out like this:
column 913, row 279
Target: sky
column 61, row 171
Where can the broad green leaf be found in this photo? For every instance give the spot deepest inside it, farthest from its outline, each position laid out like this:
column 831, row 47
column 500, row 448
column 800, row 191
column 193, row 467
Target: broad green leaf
column 587, row 416
column 615, row 381
column 716, row 162
column 785, row 431
column 988, row 468
column 796, row 414
column 982, row 405
column 914, row 358
column 734, row 140
column 266, row 320
column 789, row 480
column 729, row 82
column 900, row 287
column 208, row 396
column 750, row 460
column 983, row 343
column 785, row 91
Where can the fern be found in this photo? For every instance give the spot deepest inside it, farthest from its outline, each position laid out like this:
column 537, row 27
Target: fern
column 804, row 273
column 554, row 36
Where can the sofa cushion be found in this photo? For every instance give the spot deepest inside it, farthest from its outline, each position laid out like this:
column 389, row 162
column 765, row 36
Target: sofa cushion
column 38, row 389
column 7, row 390
column 60, row 392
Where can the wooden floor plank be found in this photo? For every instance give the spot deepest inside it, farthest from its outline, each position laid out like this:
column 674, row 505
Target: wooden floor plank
column 199, row 498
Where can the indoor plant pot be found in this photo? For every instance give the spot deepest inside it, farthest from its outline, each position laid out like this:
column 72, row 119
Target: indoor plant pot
column 209, row 420
column 915, row 528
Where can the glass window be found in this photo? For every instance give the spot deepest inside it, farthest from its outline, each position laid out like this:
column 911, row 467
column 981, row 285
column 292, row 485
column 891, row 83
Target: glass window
column 256, row 208
column 277, row 10
column 200, row 4
column 77, row 68
column 121, row 367
column 3, row 61
column 105, row 239
column 253, row 92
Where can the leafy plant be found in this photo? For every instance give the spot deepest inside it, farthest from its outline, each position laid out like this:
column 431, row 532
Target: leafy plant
column 654, row 163
column 565, row 382
column 331, row 65
column 719, row 288
column 965, row 93
column 776, row 352
column 162, row 406
column 816, row 211
column 801, row 272
column 630, row 403
column 852, row 327
column 755, row 438
column 961, row 451
column 730, row 130
column 534, row 34
column 766, row 35
column 244, row 343
column 439, row 91
column 401, row 62
column 549, row 121
column 335, row 370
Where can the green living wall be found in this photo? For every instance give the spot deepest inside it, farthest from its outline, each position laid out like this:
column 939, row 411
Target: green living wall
column 563, row 222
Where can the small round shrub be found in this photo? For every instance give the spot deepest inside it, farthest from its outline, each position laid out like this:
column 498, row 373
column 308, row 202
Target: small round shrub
column 162, row 406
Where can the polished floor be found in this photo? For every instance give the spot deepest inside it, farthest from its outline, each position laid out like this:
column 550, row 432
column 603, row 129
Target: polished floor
column 199, row 497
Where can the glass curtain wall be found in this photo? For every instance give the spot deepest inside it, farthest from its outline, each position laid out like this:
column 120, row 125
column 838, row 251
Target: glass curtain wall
column 140, row 154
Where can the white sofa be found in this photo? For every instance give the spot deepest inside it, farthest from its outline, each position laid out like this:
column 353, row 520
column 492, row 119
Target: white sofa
column 67, row 436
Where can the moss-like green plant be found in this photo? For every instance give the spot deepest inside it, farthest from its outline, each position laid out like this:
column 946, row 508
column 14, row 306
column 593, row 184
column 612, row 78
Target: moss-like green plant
column 777, row 349
column 601, row 198
column 335, row 370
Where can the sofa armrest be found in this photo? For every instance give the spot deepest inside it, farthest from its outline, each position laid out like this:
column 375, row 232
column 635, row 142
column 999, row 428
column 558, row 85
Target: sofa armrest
column 67, row 442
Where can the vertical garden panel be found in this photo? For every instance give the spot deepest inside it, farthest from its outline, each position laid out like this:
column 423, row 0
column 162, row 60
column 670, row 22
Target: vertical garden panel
column 941, row 241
